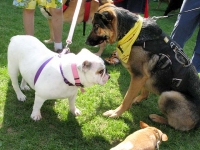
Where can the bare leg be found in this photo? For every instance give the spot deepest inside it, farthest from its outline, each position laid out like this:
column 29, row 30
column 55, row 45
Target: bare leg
column 51, row 40
column 101, row 48
column 28, row 19
column 57, row 25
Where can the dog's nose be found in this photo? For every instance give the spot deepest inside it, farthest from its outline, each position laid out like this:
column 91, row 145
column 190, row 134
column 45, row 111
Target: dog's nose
column 108, row 74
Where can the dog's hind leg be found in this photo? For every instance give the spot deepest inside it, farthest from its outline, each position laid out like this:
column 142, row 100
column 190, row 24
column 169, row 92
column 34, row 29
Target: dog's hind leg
column 24, row 85
column 143, row 95
column 13, row 73
column 181, row 113
column 158, row 119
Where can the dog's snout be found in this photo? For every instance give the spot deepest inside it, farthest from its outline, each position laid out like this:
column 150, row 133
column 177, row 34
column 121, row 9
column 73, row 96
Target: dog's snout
column 108, row 74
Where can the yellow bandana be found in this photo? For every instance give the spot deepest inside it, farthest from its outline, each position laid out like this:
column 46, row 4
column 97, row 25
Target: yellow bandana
column 125, row 44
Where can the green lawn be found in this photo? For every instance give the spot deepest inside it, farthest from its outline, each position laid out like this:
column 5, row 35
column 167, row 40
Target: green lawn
column 59, row 129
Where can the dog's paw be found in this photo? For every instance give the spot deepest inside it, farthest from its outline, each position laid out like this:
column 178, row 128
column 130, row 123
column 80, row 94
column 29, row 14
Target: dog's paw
column 76, row 112
column 158, row 119
column 25, row 87
column 111, row 114
column 21, row 97
column 36, row 116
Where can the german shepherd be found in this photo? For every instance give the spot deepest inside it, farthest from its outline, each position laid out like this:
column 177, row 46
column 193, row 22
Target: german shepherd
column 156, row 64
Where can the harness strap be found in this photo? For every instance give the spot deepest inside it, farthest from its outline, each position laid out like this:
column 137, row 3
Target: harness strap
column 65, row 80
column 40, row 70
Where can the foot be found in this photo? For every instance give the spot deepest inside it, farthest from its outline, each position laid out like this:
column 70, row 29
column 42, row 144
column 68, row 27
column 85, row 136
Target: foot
column 158, row 119
column 36, row 115
column 21, row 96
column 76, row 111
column 113, row 60
column 111, row 114
column 25, row 87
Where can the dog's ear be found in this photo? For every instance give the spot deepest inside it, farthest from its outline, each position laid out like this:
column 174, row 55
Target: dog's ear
column 164, row 137
column 86, row 65
column 104, row 18
column 102, row 2
column 143, row 125
column 107, row 16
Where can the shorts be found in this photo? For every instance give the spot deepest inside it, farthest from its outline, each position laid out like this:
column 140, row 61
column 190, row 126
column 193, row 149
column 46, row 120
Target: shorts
column 31, row 4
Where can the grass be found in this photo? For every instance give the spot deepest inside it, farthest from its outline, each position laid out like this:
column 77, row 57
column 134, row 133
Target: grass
column 59, row 129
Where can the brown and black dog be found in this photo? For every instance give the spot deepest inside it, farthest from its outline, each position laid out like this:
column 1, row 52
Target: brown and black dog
column 156, row 64
column 147, row 138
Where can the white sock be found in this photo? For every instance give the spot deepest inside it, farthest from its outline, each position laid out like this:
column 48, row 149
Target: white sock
column 57, row 46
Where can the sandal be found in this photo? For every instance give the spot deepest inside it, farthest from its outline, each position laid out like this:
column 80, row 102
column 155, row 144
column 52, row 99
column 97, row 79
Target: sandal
column 113, row 60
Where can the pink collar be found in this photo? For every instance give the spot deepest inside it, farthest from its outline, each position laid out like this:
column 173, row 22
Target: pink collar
column 75, row 74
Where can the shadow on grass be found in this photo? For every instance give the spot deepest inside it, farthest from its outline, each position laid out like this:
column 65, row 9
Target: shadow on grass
column 19, row 131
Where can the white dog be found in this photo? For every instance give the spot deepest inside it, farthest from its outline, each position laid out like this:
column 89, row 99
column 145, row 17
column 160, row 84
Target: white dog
column 50, row 74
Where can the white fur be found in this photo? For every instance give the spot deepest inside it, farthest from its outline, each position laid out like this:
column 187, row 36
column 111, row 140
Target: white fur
column 26, row 54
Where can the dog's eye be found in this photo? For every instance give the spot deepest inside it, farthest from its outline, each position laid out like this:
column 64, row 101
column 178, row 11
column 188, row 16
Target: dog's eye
column 96, row 26
column 101, row 71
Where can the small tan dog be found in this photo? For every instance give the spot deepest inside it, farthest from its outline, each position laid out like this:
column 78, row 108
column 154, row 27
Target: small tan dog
column 147, row 138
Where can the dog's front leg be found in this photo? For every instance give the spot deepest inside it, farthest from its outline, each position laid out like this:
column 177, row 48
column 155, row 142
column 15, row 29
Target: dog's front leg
column 72, row 106
column 36, row 115
column 135, row 86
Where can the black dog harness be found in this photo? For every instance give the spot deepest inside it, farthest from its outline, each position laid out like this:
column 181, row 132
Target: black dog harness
column 171, row 54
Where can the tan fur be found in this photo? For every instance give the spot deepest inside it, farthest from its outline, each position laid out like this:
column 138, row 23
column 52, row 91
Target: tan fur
column 147, row 138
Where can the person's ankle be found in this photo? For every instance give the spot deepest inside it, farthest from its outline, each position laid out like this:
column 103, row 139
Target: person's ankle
column 58, row 46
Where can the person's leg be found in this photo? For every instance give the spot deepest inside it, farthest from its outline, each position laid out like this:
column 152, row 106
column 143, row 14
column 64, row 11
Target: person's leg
column 57, row 23
column 55, row 7
column 28, row 20
column 28, row 14
column 186, row 22
column 196, row 55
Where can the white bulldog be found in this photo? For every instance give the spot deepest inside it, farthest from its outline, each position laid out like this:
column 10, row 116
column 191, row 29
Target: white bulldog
column 45, row 72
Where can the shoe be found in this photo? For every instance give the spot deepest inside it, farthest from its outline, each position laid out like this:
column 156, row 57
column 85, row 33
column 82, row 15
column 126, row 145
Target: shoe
column 113, row 60
column 58, row 50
